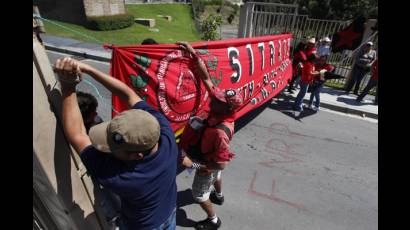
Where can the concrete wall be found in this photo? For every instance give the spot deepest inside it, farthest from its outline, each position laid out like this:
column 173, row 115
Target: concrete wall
column 76, row 11
column 104, row 7
column 59, row 177
column 154, row 1
column 71, row 11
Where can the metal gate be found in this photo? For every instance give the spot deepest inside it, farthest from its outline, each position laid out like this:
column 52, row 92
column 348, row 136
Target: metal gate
column 261, row 18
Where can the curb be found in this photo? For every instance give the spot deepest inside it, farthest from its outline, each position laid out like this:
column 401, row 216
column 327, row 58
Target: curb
column 337, row 108
column 77, row 53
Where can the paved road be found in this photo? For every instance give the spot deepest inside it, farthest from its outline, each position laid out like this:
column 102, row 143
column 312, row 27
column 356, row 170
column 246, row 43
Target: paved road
column 104, row 106
column 319, row 172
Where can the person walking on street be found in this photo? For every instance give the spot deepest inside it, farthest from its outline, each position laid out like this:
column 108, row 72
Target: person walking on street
column 134, row 154
column 210, row 143
column 322, row 67
column 373, row 82
column 298, row 58
column 302, row 52
column 362, row 64
column 308, row 73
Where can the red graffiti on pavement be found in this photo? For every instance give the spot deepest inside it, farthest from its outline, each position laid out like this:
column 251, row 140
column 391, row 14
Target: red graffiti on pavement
column 272, row 196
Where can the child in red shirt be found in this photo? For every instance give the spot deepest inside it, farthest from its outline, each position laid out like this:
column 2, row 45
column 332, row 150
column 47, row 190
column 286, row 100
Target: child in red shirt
column 321, row 66
column 308, row 73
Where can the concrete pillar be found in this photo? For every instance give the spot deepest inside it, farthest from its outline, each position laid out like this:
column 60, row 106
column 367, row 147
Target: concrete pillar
column 58, row 173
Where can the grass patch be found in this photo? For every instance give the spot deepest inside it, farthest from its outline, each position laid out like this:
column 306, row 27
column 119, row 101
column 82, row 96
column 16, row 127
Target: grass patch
column 180, row 28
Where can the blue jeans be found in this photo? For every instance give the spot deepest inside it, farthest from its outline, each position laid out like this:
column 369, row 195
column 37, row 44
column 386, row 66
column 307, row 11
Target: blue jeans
column 300, row 96
column 110, row 202
column 316, row 94
column 169, row 224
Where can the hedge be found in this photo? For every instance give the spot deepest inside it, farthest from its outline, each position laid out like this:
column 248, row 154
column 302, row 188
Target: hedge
column 112, row 22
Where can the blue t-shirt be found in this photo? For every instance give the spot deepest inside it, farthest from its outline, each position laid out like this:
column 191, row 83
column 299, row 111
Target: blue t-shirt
column 147, row 187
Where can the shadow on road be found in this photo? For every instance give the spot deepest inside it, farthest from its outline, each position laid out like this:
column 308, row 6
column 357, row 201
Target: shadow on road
column 243, row 121
column 284, row 104
column 352, row 101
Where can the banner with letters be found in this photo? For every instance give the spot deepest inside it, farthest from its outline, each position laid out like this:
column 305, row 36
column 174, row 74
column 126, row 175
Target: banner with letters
column 163, row 75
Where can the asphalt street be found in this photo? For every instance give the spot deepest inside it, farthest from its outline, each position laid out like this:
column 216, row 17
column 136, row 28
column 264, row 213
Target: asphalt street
column 317, row 172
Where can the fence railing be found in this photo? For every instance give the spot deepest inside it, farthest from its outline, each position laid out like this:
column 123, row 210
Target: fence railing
column 258, row 19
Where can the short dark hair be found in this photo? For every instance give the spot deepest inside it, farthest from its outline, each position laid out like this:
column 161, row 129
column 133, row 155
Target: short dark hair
column 149, row 41
column 87, row 103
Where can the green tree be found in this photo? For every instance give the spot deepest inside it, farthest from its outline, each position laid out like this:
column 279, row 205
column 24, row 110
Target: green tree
column 209, row 27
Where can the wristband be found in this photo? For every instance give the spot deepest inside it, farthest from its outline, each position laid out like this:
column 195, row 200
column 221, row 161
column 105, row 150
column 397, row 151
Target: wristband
column 195, row 165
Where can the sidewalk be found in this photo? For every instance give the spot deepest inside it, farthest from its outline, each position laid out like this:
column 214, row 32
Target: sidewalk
column 75, row 47
column 335, row 99
column 330, row 98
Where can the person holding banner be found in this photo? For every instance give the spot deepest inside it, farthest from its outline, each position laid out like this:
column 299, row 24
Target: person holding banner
column 134, row 154
column 298, row 58
column 308, row 74
column 207, row 142
column 302, row 52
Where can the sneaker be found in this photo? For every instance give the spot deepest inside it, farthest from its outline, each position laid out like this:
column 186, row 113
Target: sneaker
column 207, row 224
column 315, row 108
column 215, row 199
column 311, row 107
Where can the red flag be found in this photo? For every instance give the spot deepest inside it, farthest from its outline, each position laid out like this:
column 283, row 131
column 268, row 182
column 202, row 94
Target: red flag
column 350, row 37
column 163, row 74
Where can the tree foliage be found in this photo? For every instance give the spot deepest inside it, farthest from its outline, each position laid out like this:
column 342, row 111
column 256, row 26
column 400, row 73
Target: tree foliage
column 209, row 27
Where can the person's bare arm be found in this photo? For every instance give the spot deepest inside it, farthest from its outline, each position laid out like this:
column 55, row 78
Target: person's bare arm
column 114, row 85
column 72, row 120
column 202, row 70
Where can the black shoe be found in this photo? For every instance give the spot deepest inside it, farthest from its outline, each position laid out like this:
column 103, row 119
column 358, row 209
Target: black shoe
column 215, row 199
column 207, row 224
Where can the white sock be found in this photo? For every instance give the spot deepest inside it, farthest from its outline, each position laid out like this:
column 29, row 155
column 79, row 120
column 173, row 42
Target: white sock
column 214, row 219
column 219, row 195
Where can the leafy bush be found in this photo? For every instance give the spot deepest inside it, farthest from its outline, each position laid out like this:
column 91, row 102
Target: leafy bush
column 209, row 27
column 112, row 22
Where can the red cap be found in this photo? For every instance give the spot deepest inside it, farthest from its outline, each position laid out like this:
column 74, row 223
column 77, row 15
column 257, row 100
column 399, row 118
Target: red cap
column 228, row 96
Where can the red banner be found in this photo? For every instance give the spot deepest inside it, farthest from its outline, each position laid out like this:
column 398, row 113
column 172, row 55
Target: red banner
column 162, row 75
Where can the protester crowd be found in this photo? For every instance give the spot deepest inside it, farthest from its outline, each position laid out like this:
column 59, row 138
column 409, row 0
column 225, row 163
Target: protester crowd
column 311, row 69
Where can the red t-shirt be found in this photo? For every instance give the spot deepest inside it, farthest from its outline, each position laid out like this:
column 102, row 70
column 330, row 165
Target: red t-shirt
column 326, row 66
column 307, row 77
column 308, row 52
column 375, row 72
column 215, row 144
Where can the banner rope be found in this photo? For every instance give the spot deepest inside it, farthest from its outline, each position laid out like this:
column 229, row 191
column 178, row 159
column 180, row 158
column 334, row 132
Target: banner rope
column 104, row 100
column 37, row 16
